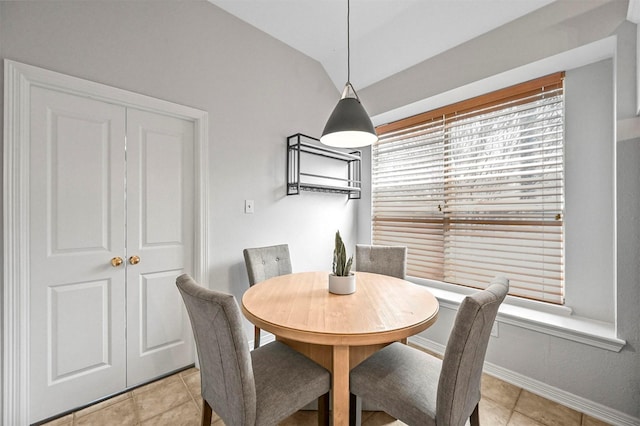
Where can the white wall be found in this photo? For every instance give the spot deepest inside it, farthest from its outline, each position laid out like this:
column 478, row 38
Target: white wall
column 597, row 378
column 256, row 90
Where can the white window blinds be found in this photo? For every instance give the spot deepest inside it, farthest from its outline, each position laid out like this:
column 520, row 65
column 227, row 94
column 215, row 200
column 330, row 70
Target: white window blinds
column 475, row 190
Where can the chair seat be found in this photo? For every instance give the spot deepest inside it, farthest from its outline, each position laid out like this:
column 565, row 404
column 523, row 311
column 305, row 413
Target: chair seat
column 402, row 381
column 278, row 399
column 419, row 389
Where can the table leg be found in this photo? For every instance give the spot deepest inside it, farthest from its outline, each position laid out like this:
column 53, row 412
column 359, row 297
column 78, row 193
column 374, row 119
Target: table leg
column 340, row 386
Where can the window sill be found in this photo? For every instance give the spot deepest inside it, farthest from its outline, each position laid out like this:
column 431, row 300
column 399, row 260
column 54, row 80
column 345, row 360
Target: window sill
column 552, row 320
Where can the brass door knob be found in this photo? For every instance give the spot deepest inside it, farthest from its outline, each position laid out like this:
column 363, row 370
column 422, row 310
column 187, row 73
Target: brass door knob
column 116, row 261
column 134, row 260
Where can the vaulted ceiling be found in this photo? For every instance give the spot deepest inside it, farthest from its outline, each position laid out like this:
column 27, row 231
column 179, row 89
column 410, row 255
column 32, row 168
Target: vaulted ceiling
column 387, row 36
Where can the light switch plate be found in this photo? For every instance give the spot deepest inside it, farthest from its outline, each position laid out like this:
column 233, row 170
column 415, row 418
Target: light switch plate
column 248, row 206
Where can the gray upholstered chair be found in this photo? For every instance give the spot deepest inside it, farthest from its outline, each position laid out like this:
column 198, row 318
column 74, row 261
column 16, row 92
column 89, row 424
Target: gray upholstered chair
column 419, row 389
column 385, row 260
column 259, row 387
column 263, row 263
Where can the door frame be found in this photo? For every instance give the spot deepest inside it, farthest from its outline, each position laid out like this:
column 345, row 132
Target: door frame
column 18, row 80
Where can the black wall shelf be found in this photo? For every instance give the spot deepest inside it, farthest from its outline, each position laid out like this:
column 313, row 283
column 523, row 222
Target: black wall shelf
column 313, row 167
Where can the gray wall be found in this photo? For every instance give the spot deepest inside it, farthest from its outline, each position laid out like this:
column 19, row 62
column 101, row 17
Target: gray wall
column 256, row 90
column 607, row 87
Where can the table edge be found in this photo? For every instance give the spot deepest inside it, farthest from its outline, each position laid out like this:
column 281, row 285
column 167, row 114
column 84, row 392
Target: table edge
column 347, row 339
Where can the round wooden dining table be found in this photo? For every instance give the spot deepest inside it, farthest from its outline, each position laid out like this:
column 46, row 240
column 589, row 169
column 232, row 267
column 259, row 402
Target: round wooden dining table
column 339, row 331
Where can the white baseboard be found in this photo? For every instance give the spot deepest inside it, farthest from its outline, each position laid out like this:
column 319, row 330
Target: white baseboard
column 544, row 390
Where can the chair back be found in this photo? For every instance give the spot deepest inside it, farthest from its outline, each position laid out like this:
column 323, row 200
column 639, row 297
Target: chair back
column 385, row 260
column 461, row 374
column 226, row 371
column 267, row 262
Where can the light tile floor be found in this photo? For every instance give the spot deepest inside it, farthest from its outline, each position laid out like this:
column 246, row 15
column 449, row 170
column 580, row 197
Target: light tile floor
column 176, row 401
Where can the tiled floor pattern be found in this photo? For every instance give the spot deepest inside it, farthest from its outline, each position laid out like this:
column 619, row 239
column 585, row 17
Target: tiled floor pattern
column 176, row 401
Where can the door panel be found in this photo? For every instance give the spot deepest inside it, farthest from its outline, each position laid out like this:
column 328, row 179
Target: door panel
column 162, row 325
column 78, row 188
column 77, row 306
column 77, row 351
column 160, row 189
column 160, row 185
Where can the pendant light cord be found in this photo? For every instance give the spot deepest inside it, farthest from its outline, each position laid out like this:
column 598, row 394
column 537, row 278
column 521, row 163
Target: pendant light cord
column 348, row 45
column 348, row 88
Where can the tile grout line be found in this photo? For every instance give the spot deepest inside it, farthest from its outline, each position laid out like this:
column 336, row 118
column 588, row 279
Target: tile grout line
column 193, row 399
column 521, row 413
column 513, row 410
column 136, row 410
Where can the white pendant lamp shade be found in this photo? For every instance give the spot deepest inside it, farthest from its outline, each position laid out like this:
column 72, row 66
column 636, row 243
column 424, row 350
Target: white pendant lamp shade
column 349, row 125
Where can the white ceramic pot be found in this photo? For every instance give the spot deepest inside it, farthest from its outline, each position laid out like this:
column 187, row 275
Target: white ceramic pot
column 342, row 285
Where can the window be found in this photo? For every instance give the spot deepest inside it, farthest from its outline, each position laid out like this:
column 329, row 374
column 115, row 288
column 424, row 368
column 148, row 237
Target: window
column 476, row 189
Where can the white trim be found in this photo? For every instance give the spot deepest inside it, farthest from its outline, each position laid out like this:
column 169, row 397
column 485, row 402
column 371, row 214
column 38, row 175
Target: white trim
column 551, row 393
column 570, row 59
column 201, row 193
column 15, row 270
column 633, row 12
column 582, row 330
column 453, row 294
column 541, row 317
column 637, row 2
column 19, row 78
column 549, row 320
column 567, row 399
column 633, row 15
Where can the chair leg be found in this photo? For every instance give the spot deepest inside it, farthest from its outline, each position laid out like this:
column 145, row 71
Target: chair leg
column 206, row 413
column 355, row 410
column 323, row 410
column 256, row 338
column 475, row 416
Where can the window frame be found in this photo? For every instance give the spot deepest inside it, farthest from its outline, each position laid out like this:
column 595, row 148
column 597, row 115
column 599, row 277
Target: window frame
column 576, row 321
column 526, row 93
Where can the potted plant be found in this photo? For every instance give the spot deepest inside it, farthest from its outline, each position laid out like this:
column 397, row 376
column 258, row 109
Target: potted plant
column 342, row 280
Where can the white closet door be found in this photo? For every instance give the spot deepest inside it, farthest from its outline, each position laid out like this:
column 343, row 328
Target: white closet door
column 160, row 185
column 77, row 225
column 95, row 328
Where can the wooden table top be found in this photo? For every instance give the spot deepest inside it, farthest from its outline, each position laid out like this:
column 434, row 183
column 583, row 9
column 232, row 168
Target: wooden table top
column 299, row 306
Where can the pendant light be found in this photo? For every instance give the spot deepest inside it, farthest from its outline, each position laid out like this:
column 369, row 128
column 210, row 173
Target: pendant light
column 349, row 125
